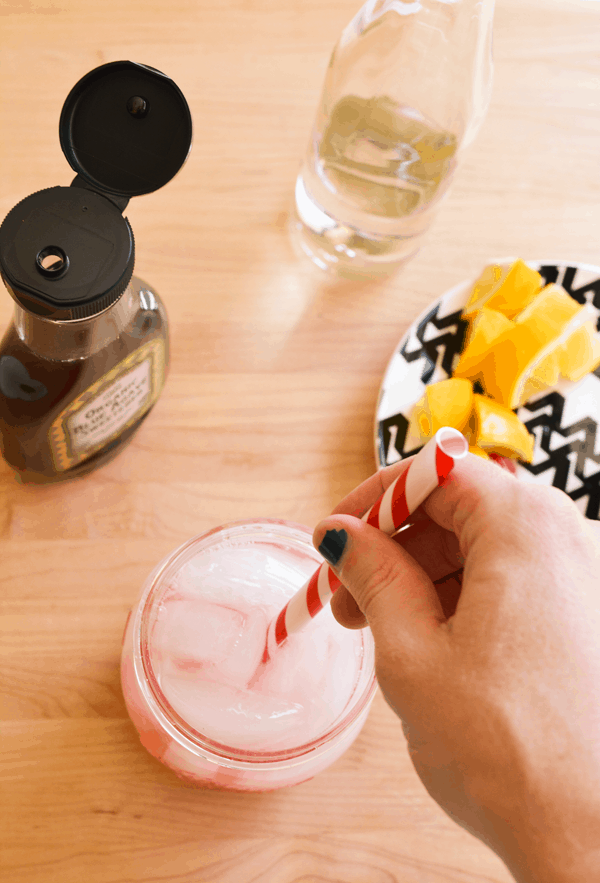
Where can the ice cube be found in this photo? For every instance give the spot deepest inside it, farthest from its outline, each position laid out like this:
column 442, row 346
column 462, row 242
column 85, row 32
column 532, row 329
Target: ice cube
column 242, row 660
column 280, row 675
column 341, row 672
column 241, row 719
column 197, row 638
column 226, row 576
column 318, row 667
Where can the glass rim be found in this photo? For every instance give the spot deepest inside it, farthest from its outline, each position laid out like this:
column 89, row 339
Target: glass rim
column 358, row 701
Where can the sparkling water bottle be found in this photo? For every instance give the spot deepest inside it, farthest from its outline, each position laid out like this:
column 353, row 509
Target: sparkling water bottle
column 407, row 87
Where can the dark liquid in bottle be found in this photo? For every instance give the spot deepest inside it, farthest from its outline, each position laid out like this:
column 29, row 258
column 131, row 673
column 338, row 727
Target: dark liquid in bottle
column 34, row 391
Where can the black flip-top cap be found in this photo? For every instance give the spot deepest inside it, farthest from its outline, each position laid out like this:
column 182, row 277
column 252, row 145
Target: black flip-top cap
column 67, row 252
column 126, row 128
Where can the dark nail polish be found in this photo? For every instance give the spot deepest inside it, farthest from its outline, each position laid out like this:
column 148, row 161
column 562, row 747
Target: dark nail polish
column 333, row 545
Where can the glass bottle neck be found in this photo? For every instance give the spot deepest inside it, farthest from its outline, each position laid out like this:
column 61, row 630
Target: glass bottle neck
column 432, row 58
column 76, row 339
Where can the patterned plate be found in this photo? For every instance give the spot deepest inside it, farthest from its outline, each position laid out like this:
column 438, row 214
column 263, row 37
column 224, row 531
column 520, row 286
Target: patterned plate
column 564, row 422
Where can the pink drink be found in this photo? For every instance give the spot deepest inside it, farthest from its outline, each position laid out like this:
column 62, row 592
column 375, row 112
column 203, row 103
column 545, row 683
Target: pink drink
column 195, row 686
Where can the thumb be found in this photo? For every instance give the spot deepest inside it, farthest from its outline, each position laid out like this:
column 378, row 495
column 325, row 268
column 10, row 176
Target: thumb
column 391, row 589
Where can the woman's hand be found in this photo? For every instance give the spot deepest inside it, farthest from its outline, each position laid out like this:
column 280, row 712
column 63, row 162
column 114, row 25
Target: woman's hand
column 494, row 671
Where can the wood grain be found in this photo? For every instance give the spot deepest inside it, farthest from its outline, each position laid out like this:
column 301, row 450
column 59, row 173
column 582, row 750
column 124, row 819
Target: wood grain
column 268, row 411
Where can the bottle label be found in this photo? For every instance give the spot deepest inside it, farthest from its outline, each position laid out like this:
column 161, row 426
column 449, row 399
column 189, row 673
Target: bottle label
column 108, row 407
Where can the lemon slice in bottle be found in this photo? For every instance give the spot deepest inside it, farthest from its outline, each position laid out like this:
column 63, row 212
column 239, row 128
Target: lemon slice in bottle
column 507, row 289
column 496, row 428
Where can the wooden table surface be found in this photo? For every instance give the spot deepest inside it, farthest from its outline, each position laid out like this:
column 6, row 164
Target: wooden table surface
column 268, row 411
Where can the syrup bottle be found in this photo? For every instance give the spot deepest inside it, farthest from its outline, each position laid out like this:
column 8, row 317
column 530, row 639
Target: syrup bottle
column 85, row 357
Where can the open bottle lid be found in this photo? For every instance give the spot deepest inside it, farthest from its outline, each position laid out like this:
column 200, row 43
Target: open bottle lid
column 126, row 128
column 68, row 252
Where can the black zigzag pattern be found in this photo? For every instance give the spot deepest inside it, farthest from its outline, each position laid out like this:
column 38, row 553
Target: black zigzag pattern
column 450, row 341
column 391, row 438
column 559, row 459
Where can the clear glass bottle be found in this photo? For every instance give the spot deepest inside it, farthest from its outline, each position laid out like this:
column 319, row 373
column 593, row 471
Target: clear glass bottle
column 407, row 88
column 85, row 358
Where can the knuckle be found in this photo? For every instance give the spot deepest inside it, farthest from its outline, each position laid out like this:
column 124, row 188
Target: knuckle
column 548, row 503
column 372, row 582
column 550, row 513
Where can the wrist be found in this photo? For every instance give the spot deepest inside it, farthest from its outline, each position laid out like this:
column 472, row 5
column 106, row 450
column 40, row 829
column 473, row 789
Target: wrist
column 543, row 845
column 584, row 871
column 553, row 861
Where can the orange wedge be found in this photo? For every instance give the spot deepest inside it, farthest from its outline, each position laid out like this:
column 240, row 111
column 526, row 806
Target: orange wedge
column 496, row 428
column 548, row 371
column 552, row 307
column 510, row 362
column 446, row 403
column 516, row 364
column 544, row 376
column 492, row 276
column 580, row 353
column 507, row 289
column 485, row 326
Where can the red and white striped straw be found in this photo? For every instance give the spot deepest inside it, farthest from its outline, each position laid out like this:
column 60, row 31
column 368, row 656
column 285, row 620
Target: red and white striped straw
column 427, row 470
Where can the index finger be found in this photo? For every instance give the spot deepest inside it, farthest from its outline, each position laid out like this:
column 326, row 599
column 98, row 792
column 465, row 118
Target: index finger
column 359, row 500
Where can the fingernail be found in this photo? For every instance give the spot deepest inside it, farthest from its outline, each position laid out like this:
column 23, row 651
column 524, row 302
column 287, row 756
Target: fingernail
column 333, row 545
